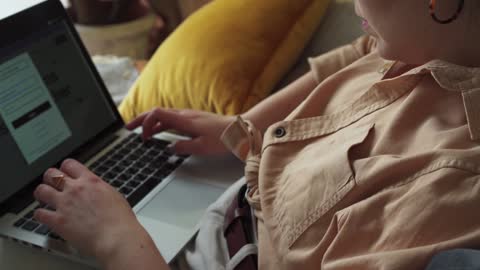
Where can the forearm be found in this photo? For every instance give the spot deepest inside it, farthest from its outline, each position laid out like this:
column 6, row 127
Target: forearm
column 276, row 107
column 134, row 251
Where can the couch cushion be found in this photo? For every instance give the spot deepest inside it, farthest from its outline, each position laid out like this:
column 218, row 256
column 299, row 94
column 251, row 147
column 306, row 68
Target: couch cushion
column 340, row 26
column 226, row 57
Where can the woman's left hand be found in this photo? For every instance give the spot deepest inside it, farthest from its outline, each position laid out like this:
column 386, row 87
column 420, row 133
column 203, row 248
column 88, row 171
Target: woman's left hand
column 89, row 214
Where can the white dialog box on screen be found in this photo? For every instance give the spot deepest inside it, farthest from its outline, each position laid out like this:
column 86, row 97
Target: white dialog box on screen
column 28, row 109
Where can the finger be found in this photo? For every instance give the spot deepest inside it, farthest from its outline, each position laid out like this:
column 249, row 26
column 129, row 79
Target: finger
column 159, row 128
column 195, row 146
column 137, row 121
column 47, row 194
column 74, row 169
column 47, row 217
column 165, row 117
column 179, row 120
column 55, row 178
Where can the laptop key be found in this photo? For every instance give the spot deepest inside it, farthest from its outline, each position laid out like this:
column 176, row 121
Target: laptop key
column 29, row 215
column 124, row 177
column 30, row 226
column 143, row 190
column 145, row 159
column 126, row 190
column 161, row 173
column 109, row 163
column 43, row 230
column 144, row 148
column 117, row 157
column 149, row 143
column 173, row 159
column 100, row 170
column 129, row 147
column 147, row 170
column 118, row 169
column 131, row 136
column 133, row 157
column 126, row 162
column 132, row 170
column 20, row 222
column 139, row 164
column 140, row 177
column 116, row 183
column 156, row 179
column 133, row 184
column 124, row 151
column 102, row 159
column 167, row 152
column 154, row 152
column 170, row 167
column 94, row 165
column 133, row 144
column 150, row 156
column 110, row 152
column 160, row 143
column 158, row 162
column 110, row 175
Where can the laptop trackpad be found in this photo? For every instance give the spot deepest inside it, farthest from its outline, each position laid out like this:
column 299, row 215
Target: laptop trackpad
column 181, row 203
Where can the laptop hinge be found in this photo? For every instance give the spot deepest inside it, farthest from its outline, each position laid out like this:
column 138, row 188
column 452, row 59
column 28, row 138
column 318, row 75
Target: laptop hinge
column 20, row 200
column 91, row 150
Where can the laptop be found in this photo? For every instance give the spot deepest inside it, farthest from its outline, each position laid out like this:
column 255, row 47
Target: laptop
column 54, row 105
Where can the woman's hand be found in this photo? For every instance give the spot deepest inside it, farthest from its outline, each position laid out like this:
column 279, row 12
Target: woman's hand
column 204, row 128
column 89, row 214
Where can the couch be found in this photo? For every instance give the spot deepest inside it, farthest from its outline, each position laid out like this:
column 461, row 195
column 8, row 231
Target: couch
column 203, row 66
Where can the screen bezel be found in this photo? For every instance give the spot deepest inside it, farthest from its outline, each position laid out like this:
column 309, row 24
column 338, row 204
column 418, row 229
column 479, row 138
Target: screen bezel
column 29, row 21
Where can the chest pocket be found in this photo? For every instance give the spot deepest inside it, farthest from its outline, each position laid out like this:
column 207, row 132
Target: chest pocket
column 308, row 188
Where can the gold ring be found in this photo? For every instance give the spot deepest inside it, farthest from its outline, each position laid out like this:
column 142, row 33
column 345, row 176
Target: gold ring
column 58, row 182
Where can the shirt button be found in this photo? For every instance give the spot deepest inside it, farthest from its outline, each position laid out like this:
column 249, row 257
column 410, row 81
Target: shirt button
column 280, row 132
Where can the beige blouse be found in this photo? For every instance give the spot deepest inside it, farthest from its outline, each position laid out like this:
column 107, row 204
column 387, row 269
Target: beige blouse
column 379, row 168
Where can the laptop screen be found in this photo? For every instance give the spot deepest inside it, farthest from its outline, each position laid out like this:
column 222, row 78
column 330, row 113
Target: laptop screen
column 50, row 104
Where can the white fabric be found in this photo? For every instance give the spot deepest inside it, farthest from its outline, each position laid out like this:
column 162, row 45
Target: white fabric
column 208, row 250
column 118, row 74
column 244, row 252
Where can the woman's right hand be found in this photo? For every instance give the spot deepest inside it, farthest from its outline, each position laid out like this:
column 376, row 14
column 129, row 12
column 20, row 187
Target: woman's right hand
column 204, row 128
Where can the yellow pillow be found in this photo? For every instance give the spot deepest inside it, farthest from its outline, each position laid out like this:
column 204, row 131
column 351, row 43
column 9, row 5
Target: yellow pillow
column 226, row 57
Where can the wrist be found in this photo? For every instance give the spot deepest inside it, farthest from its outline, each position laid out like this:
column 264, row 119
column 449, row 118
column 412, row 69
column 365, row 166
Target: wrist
column 120, row 244
column 137, row 251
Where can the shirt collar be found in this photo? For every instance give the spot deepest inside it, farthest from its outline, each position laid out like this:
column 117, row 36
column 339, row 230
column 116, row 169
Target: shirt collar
column 461, row 79
column 451, row 76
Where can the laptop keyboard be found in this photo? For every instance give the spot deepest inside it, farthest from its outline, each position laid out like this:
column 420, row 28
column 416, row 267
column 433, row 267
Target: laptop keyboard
column 133, row 167
column 28, row 223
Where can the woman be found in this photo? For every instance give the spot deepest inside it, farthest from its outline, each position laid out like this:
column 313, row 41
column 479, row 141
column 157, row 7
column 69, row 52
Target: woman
column 370, row 161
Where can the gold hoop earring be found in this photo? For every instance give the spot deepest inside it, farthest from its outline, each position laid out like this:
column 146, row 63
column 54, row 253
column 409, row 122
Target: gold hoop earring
column 432, row 5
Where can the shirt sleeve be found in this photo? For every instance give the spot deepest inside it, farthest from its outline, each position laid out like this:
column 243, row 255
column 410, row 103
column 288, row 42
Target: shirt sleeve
column 242, row 139
column 329, row 63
